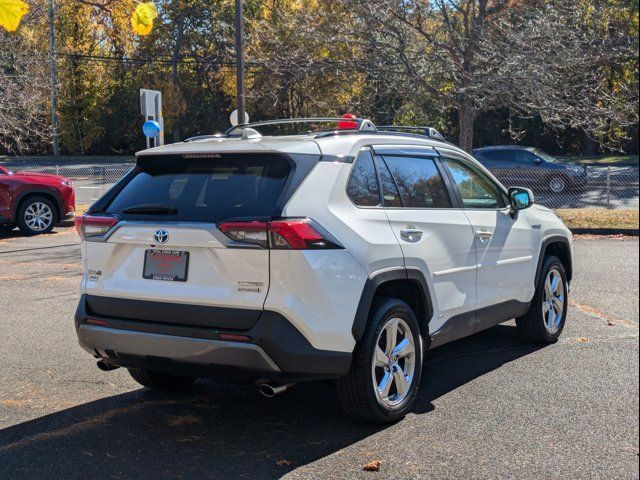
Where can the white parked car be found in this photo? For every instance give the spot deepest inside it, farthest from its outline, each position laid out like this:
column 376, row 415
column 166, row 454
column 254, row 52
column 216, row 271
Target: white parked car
column 342, row 253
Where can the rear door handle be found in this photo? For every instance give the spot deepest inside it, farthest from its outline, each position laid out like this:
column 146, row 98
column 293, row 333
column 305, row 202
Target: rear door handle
column 483, row 235
column 411, row 234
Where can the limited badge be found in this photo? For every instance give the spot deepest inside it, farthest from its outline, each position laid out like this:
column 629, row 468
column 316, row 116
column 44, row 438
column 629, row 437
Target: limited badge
column 250, row 287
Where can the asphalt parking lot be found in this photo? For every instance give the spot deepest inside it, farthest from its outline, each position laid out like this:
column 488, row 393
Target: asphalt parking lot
column 489, row 406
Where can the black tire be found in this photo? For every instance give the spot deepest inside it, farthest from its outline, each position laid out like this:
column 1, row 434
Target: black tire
column 356, row 390
column 533, row 326
column 160, row 381
column 25, row 228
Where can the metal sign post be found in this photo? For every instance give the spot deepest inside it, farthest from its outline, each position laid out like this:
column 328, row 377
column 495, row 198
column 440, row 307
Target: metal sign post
column 151, row 109
column 240, row 58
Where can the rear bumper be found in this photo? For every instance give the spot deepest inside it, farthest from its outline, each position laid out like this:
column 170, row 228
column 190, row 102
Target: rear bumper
column 274, row 348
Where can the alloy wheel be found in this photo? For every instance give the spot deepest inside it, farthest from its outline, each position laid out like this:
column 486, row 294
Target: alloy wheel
column 553, row 303
column 38, row 216
column 394, row 363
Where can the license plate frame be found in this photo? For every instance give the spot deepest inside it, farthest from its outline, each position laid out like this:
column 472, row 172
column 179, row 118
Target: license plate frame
column 166, row 265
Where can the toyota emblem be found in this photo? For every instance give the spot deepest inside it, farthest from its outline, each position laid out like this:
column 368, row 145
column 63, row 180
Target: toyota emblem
column 161, row 236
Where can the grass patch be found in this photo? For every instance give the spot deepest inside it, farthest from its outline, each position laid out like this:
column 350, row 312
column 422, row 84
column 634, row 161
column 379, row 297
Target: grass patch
column 613, row 160
column 592, row 218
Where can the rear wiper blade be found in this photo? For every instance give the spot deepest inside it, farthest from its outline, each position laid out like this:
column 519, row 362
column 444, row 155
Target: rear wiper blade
column 152, row 209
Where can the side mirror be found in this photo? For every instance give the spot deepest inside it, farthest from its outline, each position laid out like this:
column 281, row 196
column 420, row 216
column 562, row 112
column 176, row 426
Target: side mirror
column 520, row 198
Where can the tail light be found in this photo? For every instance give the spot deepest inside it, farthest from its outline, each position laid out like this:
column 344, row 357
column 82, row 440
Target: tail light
column 89, row 226
column 285, row 234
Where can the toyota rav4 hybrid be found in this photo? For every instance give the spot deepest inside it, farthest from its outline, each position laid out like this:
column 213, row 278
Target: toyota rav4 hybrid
column 344, row 253
column 35, row 202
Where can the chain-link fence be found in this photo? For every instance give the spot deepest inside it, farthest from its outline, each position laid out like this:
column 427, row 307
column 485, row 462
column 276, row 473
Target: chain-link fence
column 602, row 187
column 90, row 181
column 593, row 186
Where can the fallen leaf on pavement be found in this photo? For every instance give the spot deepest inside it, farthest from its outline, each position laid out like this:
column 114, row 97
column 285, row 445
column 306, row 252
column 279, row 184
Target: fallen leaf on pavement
column 583, row 340
column 372, row 466
column 284, row 463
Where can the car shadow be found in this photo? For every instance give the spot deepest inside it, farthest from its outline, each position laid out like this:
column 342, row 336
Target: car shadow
column 220, row 430
column 16, row 233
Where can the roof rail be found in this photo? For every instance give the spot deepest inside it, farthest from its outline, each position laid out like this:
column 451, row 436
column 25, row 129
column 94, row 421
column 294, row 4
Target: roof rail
column 362, row 124
column 426, row 131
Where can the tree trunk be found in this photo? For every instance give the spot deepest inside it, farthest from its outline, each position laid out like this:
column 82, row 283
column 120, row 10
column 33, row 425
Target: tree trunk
column 466, row 118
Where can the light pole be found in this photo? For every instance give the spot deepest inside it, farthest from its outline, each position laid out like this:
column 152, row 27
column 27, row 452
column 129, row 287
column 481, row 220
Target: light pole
column 54, row 81
column 240, row 61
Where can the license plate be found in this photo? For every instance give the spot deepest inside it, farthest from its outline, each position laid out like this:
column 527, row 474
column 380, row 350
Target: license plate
column 166, row 265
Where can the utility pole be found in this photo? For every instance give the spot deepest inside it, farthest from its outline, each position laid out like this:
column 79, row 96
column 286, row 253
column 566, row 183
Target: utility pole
column 54, row 81
column 240, row 61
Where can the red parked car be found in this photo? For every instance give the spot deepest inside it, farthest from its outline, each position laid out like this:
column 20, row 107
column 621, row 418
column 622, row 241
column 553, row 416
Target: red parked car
column 34, row 202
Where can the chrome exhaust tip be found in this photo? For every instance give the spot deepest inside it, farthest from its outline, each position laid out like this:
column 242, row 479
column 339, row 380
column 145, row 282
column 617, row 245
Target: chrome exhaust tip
column 271, row 391
column 105, row 367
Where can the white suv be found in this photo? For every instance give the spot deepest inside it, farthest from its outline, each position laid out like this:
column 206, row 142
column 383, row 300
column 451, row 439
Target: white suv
column 344, row 253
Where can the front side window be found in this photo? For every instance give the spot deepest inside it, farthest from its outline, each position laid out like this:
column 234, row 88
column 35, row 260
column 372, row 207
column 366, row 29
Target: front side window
column 476, row 189
column 419, row 182
column 363, row 184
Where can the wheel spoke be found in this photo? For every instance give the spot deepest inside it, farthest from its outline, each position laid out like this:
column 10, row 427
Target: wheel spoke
column 558, row 304
column 385, row 385
column 402, row 384
column 392, row 336
column 404, row 349
column 547, row 289
column 381, row 358
column 555, row 283
column 551, row 319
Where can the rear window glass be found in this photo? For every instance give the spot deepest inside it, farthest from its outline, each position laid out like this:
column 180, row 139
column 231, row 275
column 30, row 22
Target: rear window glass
column 363, row 183
column 204, row 190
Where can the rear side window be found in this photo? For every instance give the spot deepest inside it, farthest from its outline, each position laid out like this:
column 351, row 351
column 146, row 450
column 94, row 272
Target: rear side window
column 390, row 193
column 363, row 184
column 419, row 182
column 204, row 190
column 499, row 155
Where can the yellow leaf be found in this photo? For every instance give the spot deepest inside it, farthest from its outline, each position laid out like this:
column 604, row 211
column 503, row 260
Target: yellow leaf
column 142, row 18
column 11, row 12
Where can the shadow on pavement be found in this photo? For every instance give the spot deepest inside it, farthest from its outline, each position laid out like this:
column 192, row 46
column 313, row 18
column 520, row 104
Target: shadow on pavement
column 5, row 233
column 223, row 431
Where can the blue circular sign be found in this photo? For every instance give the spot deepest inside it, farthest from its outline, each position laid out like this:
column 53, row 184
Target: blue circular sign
column 151, row 129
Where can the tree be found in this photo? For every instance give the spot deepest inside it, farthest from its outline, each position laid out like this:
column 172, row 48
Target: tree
column 24, row 92
column 476, row 56
column 572, row 66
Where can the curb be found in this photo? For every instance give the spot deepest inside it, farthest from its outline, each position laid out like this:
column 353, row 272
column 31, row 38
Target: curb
column 631, row 232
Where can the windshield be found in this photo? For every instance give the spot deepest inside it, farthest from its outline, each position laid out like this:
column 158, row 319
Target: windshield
column 544, row 155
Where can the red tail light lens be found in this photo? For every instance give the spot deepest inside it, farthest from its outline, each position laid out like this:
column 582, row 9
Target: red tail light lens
column 285, row 234
column 89, row 226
